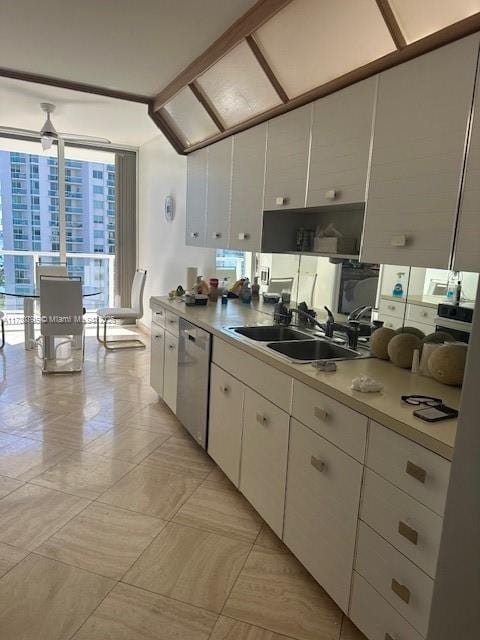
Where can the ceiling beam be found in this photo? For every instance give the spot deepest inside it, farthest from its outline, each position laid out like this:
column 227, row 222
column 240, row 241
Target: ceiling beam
column 392, row 23
column 255, row 49
column 420, row 47
column 73, row 86
column 166, row 129
column 262, row 11
column 203, row 99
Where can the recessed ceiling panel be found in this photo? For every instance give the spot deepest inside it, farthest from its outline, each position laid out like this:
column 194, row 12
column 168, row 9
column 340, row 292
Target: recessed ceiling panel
column 420, row 18
column 238, row 87
column 311, row 42
column 191, row 121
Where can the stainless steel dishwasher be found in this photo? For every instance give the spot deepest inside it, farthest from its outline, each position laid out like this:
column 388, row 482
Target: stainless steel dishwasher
column 193, row 380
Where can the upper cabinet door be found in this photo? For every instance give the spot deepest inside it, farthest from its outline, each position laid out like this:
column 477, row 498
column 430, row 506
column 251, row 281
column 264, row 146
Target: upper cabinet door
column 341, row 136
column 288, row 142
column 420, row 127
column 248, row 179
column 467, row 248
column 196, row 198
column 219, row 182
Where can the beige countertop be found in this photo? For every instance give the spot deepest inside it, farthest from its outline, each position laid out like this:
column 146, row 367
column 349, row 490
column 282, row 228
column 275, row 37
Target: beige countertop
column 385, row 407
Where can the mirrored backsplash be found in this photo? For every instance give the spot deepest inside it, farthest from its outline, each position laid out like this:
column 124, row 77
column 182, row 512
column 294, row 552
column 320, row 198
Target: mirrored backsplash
column 394, row 294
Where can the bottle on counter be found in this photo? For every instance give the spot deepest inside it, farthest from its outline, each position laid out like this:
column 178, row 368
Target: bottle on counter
column 246, row 292
column 398, row 290
column 255, row 289
column 213, row 290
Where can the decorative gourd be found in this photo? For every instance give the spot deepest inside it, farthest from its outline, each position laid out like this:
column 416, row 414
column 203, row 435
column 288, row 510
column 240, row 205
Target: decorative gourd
column 401, row 348
column 447, row 364
column 412, row 330
column 379, row 342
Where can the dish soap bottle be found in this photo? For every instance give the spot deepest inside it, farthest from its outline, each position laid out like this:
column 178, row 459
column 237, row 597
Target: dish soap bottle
column 255, row 289
column 246, row 292
column 398, row 290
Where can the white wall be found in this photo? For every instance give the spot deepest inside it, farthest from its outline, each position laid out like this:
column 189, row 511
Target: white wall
column 161, row 244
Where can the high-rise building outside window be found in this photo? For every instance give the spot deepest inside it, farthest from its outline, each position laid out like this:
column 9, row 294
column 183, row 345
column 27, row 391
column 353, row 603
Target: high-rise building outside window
column 29, row 222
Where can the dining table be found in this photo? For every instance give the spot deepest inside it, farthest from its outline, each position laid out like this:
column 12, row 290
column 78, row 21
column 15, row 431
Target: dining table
column 30, row 294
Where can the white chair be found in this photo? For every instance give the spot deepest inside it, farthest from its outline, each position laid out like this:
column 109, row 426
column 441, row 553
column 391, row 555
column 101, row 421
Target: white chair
column 58, row 269
column 277, row 285
column 135, row 312
column 61, row 308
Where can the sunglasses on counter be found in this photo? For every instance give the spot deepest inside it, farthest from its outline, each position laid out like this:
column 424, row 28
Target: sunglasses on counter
column 417, row 400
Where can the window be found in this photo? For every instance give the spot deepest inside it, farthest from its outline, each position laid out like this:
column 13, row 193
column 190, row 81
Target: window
column 237, row 262
column 30, row 221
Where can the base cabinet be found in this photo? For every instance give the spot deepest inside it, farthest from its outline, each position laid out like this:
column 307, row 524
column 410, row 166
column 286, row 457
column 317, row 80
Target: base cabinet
column 170, row 371
column 322, row 502
column 226, row 422
column 264, row 458
column 377, row 619
column 157, row 354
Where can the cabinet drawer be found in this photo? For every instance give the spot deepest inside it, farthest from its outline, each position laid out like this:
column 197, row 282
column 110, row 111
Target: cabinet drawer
column 264, row 458
column 398, row 580
column 270, row 383
column 226, row 422
column 322, row 500
column 417, row 471
column 159, row 317
column 419, row 313
column 334, row 421
column 375, row 617
column 390, row 322
column 405, row 523
column 392, row 308
column 171, row 323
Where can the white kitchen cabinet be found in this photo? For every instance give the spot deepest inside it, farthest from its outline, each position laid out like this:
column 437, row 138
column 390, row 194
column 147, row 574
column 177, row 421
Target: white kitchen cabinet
column 402, row 584
column 467, row 249
column 264, row 458
column 196, row 198
column 219, row 178
column 288, row 142
column 248, row 177
column 375, row 617
column 340, row 149
column 321, row 510
column 157, row 354
column 170, row 371
column 420, row 127
column 226, row 422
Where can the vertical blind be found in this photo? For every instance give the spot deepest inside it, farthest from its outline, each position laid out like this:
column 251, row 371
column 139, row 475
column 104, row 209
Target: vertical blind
column 126, row 225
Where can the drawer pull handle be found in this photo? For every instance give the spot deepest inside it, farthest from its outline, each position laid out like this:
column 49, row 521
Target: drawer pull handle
column 389, row 637
column 407, row 532
column 320, row 413
column 401, row 591
column 320, row 465
column 224, row 388
column 416, row 472
column 262, row 419
column 171, row 347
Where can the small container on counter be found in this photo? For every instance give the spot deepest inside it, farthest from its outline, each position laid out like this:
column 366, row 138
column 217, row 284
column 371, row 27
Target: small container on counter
column 213, row 290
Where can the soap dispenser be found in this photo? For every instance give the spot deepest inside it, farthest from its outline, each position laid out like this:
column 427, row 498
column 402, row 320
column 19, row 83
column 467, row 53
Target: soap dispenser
column 398, row 290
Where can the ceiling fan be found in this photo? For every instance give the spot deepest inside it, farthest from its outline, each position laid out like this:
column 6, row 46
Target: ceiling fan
column 48, row 134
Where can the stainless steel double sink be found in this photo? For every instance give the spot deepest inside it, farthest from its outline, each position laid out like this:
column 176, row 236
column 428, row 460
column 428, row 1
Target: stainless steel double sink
column 297, row 345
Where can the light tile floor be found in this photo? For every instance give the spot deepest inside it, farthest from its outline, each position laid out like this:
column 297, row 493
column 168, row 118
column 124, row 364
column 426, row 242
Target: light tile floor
column 114, row 525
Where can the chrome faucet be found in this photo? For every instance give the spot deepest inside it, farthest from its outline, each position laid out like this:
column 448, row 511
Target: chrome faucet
column 359, row 312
